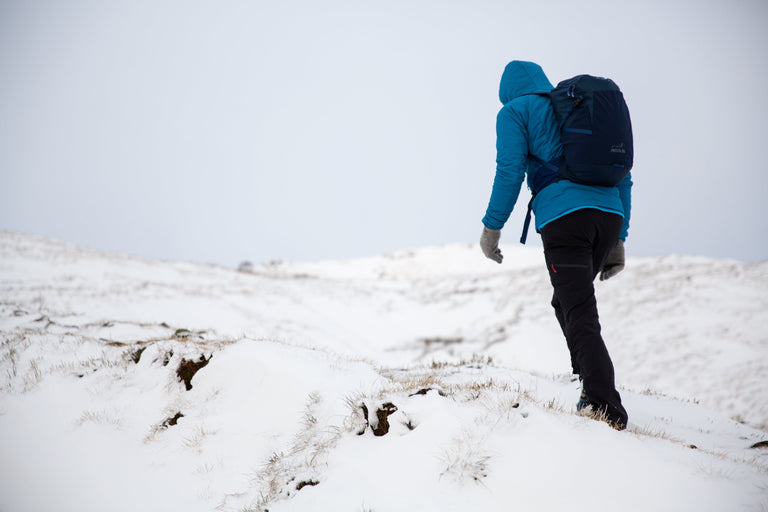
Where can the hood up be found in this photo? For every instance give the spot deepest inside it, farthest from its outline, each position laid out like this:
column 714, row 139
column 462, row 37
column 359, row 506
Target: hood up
column 521, row 78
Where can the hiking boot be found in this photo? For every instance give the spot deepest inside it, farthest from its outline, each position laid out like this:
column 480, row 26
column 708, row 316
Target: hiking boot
column 614, row 415
column 583, row 401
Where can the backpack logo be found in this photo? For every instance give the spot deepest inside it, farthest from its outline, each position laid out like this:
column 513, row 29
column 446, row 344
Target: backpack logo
column 618, row 148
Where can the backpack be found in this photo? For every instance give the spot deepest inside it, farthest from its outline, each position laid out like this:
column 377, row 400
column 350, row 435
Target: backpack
column 596, row 134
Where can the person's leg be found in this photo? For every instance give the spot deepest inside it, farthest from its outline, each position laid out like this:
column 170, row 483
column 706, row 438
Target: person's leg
column 561, row 320
column 575, row 246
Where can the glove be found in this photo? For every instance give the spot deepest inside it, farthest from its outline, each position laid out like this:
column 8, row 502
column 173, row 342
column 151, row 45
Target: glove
column 489, row 243
column 614, row 263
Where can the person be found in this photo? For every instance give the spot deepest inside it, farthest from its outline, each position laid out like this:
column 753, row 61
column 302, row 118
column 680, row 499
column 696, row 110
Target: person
column 583, row 229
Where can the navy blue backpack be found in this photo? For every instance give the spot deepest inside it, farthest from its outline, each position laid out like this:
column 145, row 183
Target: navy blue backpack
column 596, row 133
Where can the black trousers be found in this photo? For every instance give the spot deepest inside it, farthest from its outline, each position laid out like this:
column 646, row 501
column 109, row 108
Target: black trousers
column 575, row 248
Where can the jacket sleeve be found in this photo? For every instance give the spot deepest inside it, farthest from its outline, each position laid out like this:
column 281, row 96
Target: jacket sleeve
column 625, row 193
column 511, row 164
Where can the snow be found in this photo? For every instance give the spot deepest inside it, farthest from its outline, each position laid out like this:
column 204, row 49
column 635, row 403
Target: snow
column 464, row 354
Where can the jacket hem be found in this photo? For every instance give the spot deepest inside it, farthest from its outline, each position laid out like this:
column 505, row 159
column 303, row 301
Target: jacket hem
column 607, row 210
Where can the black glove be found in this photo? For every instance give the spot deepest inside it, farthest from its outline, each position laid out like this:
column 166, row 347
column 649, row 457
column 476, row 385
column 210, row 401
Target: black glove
column 614, row 263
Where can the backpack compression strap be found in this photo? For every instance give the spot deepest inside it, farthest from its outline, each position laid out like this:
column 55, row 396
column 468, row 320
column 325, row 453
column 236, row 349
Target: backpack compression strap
column 547, row 174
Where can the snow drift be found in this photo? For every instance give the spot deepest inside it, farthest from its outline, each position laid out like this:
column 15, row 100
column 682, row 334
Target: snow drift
column 424, row 380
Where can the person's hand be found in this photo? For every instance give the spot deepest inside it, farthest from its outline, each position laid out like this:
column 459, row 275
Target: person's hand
column 489, row 243
column 614, row 263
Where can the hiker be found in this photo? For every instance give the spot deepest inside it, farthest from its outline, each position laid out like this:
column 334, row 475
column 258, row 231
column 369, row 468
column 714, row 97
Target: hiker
column 582, row 227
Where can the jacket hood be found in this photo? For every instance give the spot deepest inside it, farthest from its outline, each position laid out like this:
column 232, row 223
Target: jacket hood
column 521, row 78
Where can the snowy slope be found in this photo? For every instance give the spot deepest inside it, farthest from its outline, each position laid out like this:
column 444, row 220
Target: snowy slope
column 461, row 358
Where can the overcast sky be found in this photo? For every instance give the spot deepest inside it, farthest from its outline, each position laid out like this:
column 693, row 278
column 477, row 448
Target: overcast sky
column 224, row 131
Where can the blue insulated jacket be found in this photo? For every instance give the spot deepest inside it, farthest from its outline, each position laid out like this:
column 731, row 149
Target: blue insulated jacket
column 526, row 125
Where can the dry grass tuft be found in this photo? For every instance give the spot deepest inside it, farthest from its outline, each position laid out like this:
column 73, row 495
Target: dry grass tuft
column 465, row 460
column 101, row 417
column 195, row 441
column 655, row 433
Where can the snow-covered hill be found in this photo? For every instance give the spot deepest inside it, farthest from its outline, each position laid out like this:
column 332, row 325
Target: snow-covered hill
column 427, row 380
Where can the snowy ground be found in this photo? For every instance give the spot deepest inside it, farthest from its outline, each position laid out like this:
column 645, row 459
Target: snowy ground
column 428, row 380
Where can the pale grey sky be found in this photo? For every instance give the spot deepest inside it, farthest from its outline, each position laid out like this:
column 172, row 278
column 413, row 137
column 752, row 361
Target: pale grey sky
column 249, row 130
